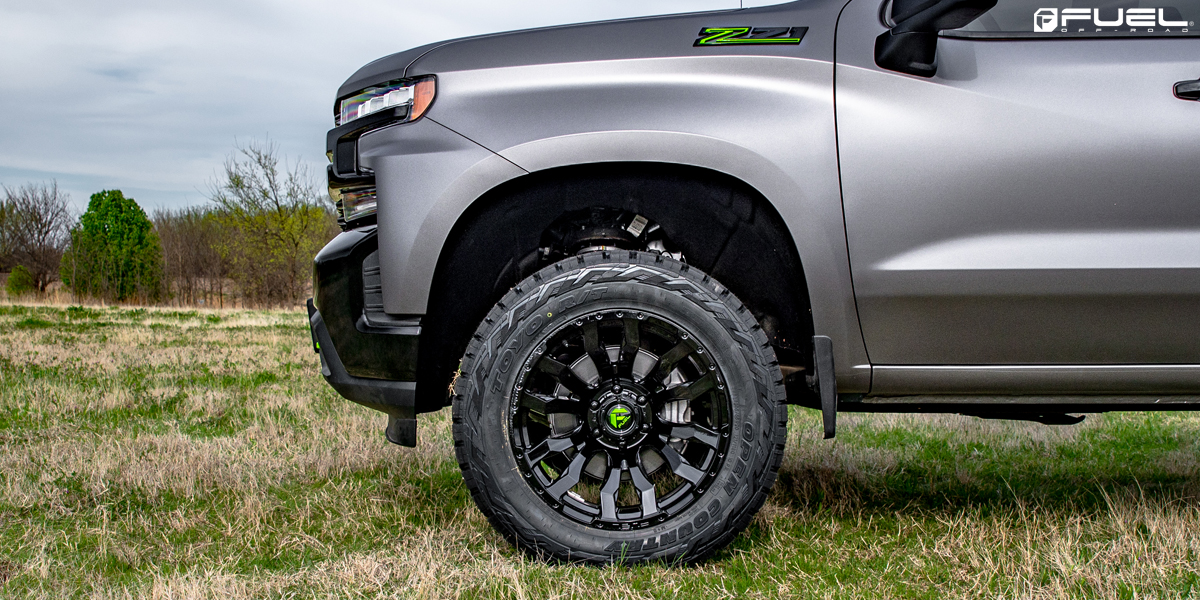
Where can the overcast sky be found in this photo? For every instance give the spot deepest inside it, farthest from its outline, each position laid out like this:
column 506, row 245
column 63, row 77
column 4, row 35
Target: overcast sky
column 150, row 96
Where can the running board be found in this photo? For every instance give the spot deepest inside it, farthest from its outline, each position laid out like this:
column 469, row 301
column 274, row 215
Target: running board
column 1036, row 380
column 1049, row 410
column 1136, row 401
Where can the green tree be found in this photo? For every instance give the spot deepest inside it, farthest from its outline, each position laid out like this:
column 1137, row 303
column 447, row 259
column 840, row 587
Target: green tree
column 114, row 252
column 20, row 281
column 274, row 219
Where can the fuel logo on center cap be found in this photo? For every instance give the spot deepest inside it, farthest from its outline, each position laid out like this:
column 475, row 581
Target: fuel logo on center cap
column 619, row 416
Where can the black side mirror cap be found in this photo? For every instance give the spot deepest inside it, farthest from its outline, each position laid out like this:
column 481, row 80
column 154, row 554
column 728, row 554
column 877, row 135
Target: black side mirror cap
column 911, row 45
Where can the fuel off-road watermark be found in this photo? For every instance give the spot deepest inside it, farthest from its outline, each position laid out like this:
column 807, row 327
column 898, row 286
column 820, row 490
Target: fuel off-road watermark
column 1110, row 20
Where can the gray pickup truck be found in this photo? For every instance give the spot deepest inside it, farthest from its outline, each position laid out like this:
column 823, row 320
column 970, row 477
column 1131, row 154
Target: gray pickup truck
column 620, row 249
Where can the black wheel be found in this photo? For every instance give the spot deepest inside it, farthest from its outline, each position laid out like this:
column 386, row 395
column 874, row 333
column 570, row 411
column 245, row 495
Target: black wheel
column 619, row 406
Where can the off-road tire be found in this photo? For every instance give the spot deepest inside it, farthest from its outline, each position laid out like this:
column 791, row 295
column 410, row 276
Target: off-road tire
column 619, row 280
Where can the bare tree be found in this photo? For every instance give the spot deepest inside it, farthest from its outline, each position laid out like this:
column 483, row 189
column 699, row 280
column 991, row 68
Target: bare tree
column 275, row 218
column 35, row 222
column 194, row 269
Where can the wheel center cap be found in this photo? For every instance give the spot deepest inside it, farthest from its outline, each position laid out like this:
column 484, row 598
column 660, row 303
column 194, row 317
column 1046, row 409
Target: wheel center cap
column 621, row 418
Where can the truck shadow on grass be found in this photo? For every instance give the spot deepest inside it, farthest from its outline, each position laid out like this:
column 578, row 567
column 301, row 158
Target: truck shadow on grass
column 928, row 487
column 890, row 462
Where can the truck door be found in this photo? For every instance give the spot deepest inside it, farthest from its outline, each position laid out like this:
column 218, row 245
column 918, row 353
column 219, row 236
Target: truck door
column 1037, row 201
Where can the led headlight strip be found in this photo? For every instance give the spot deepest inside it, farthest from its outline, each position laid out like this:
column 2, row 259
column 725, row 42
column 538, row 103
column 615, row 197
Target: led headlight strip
column 417, row 94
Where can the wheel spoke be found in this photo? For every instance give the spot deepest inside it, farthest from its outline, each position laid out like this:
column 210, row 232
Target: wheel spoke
column 695, row 432
column 591, row 343
column 567, row 480
column 630, row 345
column 689, row 391
column 544, row 404
column 646, row 489
column 667, row 362
column 552, row 444
column 680, row 465
column 564, row 375
column 608, row 493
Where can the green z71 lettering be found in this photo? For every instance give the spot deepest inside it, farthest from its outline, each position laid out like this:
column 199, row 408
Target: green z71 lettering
column 728, row 36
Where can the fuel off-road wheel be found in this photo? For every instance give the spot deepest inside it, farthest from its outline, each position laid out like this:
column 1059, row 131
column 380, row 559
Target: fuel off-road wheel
column 619, row 406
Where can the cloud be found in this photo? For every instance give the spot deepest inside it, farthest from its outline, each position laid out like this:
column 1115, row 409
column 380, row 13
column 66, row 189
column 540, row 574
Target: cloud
column 153, row 95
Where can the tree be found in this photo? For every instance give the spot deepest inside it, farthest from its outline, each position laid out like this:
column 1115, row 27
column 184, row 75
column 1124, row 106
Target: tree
column 274, row 220
column 34, row 224
column 114, row 252
column 195, row 272
column 20, row 281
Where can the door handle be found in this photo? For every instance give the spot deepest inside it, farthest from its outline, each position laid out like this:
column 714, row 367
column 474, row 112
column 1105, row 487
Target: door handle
column 1188, row 90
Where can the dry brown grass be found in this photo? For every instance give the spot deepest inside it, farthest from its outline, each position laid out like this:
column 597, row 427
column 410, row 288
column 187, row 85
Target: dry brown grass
column 169, row 454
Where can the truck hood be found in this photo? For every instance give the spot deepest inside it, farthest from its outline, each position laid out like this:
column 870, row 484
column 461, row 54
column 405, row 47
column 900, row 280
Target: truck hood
column 642, row 37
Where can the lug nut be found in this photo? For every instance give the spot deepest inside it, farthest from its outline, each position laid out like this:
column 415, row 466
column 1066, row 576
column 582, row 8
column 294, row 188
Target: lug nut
column 641, row 399
column 595, row 404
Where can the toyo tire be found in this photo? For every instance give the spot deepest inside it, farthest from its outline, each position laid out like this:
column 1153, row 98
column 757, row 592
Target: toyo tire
column 619, row 407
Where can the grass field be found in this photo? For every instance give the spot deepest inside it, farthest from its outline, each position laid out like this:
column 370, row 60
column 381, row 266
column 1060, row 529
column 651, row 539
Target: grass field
column 167, row 454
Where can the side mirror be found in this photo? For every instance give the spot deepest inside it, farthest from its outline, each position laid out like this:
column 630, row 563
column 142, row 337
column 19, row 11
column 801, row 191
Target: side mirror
column 911, row 45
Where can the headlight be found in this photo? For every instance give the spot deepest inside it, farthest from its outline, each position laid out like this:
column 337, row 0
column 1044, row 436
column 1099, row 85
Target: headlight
column 417, row 94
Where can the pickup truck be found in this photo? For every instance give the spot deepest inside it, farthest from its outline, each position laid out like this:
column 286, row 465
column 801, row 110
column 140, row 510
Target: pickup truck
column 619, row 250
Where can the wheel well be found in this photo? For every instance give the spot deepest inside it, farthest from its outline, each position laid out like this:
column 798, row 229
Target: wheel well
column 720, row 225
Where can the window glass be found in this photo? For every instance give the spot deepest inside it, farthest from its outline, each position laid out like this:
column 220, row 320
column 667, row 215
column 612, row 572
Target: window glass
column 1085, row 18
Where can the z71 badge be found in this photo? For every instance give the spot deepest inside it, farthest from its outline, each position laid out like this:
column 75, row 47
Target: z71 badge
column 728, row 36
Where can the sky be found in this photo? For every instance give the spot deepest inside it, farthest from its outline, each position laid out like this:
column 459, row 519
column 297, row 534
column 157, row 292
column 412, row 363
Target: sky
column 151, row 96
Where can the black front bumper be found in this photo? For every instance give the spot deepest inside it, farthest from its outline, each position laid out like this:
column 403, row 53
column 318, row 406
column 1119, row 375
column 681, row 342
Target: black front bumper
column 369, row 357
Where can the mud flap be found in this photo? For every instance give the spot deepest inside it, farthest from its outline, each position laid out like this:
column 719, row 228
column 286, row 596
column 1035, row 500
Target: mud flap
column 826, row 382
